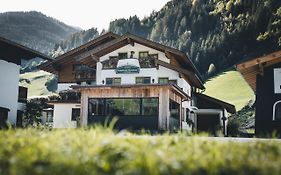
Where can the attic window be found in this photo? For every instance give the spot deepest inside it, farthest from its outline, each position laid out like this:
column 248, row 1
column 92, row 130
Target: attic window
column 277, row 111
column 123, row 55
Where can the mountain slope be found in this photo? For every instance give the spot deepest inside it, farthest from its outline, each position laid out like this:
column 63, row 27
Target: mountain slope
column 34, row 29
column 230, row 87
column 218, row 32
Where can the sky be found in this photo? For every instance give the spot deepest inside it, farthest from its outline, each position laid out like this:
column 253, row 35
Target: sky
column 86, row 13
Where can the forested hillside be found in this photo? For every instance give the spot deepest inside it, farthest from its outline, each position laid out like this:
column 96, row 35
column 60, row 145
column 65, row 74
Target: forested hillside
column 34, row 29
column 212, row 32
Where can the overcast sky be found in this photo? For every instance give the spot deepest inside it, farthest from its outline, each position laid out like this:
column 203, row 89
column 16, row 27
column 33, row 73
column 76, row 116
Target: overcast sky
column 85, row 13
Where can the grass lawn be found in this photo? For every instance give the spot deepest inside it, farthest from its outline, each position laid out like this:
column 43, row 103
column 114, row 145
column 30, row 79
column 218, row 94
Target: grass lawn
column 100, row 151
column 230, row 87
column 35, row 82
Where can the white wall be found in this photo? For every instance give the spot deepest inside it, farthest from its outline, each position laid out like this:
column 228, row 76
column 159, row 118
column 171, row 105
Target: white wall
column 9, row 78
column 62, row 115
column 64, row 86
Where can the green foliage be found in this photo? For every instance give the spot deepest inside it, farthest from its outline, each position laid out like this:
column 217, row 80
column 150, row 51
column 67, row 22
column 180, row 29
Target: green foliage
column 33, row 29
column 33, row 112
column 231, row 87
column 101, row 151
column 221, row 32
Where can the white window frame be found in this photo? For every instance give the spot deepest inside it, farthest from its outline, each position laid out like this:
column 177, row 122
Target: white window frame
column 274, row 106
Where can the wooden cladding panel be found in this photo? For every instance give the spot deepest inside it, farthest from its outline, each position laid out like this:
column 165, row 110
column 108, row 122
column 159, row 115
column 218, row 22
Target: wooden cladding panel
column 66, row 74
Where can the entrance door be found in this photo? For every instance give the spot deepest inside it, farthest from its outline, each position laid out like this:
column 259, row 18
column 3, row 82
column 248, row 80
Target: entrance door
column 3, row 117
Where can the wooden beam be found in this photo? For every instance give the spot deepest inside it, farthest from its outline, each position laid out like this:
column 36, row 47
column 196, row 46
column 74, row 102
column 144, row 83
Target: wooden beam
column 131, row 42
column 260, row 60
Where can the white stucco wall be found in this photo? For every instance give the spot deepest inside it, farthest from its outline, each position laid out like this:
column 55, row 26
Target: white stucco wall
column 9, row 78
column 64, row 86
column 62, row 115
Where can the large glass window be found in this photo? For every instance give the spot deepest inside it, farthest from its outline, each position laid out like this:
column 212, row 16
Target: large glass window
column 96, row 107
column 150, row 106
column 174, row 109
column 143, row 80
column 122, row 107
column 277, row 111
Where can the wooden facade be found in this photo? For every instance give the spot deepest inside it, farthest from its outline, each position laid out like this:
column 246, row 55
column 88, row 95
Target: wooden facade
column 163, row 92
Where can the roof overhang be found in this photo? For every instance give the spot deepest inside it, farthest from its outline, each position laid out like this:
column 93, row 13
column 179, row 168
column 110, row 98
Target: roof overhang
column 183, row 60
column 53, row 66
column 251, row 68
column 229, row 107
column 13, row 52
column 171, row 86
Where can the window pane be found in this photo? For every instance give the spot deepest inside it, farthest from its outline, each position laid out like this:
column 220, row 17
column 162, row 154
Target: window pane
column 143, row 54
column 109, row 80
column 123, row 55
column 163, row 80
column 117, row 81
column 150, row 106
column 96, row 107
column 139, row 80
column 122, row 107
column 278, row 111
column 146, row 80
column 174, row 109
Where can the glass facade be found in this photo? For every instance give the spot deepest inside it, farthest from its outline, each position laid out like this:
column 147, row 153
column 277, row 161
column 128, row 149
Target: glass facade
column 123, row 107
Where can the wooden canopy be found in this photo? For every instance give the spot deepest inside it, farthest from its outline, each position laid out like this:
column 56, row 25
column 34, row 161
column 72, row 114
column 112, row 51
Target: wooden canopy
column 52, row 66
column 13, row 52
column 250, row 68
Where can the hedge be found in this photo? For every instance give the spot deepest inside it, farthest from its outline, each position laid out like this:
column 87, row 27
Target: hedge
column 101, row 151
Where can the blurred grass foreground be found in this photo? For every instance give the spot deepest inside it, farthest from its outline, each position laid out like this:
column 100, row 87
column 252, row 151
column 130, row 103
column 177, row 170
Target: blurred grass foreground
column 102, row 151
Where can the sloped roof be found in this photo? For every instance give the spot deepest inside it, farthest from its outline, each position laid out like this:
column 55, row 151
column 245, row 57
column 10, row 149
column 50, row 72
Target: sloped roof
column 229, row 107
column 128, row 38
column 14, row 52
column 48, row 66
column 250, row 68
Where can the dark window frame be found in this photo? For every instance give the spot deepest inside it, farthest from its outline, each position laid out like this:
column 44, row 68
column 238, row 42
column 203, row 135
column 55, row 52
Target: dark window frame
column 105, row 112
column 143, row 80
column 73, row 112
column 123, row 57
column 144, row 52
column 162, row 78
column 113, row 81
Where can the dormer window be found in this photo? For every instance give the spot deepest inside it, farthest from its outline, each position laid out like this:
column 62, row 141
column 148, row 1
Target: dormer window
column 277, row 111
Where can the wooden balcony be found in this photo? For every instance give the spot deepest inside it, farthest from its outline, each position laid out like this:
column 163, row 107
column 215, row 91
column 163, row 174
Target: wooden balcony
column 84, row 73
column 22, row 97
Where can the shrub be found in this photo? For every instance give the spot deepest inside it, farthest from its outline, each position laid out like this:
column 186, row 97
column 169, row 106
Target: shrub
column 101, row 151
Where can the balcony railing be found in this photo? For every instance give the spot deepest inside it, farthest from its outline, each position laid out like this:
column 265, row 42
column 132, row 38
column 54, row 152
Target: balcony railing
column 85, row 73
column 145, row 62
column 22, row 97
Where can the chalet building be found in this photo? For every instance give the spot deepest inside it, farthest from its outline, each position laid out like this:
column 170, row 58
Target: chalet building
column 263, row 74
column 12, row 96
column 143, row 83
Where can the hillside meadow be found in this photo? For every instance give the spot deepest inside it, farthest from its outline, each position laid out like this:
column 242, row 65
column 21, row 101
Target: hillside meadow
column 103, row 151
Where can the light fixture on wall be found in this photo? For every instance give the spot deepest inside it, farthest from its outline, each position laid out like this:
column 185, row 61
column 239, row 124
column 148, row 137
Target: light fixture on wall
column 153, row 80
column 102, row 81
